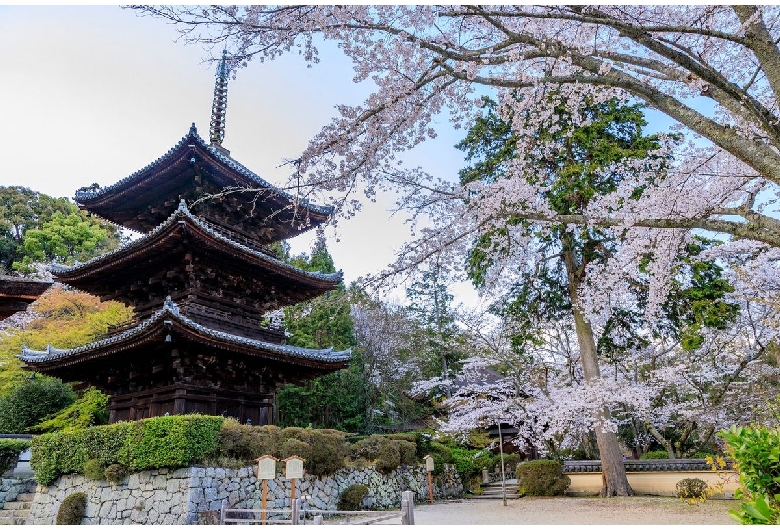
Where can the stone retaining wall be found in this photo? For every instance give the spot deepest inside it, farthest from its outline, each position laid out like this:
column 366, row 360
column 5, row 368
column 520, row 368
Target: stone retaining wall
column 10, row 488
column 178, row 496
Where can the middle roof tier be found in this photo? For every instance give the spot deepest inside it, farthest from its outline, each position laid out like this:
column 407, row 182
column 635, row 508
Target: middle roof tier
column 203, row 270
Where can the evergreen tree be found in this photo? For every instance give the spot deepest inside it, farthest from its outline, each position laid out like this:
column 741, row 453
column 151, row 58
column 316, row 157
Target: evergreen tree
column 333, row 400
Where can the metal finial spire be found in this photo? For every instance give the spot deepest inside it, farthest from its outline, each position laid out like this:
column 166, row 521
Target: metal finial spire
column 219, row 107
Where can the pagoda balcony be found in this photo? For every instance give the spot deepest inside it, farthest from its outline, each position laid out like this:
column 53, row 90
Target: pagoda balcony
column 116, row 329
column 243, row 239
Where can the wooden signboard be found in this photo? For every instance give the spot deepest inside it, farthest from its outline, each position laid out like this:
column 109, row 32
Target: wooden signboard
column 266, row 467
column 266, row 470
column 429, row 463
column 293, row 469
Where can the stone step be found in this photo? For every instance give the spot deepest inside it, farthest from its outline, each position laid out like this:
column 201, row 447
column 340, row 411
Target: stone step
column 26, row 497
column 12, row 519
column 17, row 505
column 496, row 497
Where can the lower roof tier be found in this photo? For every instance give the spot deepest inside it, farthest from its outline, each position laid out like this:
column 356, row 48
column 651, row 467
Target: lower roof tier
column 173, row 348
column 187, row 258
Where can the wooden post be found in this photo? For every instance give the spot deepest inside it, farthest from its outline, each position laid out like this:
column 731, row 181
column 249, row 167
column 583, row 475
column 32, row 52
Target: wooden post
column 293, row 470
column 266, row 469
column 265, row 500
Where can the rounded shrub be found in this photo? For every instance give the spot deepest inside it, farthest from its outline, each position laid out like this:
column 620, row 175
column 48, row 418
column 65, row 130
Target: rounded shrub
column 351, row 499
column 367, row 448
column 72, row 509
column 389, row 457
column 93, row 470
column 115, row 473
column 541, row 477
column 327, row 453
column 408, row 452
column 247, row 442
column 691, row 488
column 293, row 447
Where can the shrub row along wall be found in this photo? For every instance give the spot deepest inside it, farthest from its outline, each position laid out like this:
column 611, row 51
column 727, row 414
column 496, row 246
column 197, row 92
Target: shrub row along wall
column 178, row 496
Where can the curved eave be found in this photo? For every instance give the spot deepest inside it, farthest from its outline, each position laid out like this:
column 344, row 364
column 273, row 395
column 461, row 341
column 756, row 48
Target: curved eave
column 153, row 329
column 22, row 287
column 192, row 145
column 146, row 243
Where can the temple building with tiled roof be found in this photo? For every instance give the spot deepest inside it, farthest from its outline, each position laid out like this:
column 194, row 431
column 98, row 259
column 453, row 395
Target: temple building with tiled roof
column 202, row 283
column 17, row 293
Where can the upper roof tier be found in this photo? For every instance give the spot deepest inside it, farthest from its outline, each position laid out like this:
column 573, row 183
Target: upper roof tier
column 215, row 186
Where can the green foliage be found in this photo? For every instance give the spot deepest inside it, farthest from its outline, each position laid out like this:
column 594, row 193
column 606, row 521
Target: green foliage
column 10, row 449
column 691, row 488
column 31, row 400
column 541, row 477
column 68, row 319
column 72, row 509
column 166, row 441
column 431, row 306
column 442, row 454
column 88, row 410
column 334, row 400
column 22, row 209
column 93, row 470
column 66, row 238
column 170, row 441
column 57, row 454
column 351, row 499
column 656, row 454
column 756, row 452
column 37, row 227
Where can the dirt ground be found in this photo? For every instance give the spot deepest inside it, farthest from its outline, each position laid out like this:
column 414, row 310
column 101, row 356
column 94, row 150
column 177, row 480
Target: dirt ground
column 638, row 510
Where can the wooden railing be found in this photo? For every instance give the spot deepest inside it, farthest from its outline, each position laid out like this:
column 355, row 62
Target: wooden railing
column 298, row 515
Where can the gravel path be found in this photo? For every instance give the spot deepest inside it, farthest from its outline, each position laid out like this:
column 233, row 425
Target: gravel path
column 575, row 510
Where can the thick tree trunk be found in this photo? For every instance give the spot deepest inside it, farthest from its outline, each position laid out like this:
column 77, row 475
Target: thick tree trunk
column 613, row 471
column 612, row 468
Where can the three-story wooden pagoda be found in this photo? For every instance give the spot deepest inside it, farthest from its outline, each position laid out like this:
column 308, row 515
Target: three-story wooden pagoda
column 202, row 283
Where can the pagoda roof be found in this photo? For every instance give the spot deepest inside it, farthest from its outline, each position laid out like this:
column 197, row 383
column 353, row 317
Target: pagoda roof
column 143, row 199
column 169, row 318
column 98, row 270
column 17, row 293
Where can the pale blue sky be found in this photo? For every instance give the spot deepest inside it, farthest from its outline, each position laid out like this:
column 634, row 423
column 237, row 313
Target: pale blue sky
column 91, row 94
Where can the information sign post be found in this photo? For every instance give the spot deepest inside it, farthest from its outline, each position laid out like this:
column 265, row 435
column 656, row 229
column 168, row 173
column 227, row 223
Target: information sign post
column 266, row 470
column 293, row 470
column 429, row 466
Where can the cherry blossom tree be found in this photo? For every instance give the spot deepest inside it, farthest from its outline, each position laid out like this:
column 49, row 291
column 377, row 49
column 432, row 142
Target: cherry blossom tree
column 429, row 61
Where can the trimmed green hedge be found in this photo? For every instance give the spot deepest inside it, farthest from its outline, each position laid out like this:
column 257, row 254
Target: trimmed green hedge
column 165, row 441
column 10, row 449
column 541, row 477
